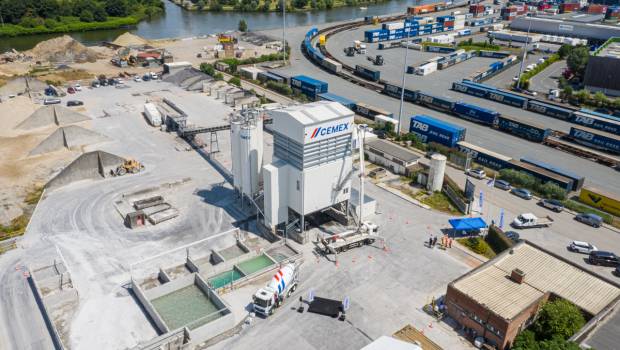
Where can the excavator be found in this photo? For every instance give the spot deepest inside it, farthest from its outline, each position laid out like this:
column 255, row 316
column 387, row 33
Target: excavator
column 129, row 166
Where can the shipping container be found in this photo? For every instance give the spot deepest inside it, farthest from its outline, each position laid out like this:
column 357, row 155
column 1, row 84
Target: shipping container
column 596, row 139
column 328, row 96
column 527, row 131
column 367, row 72
column 396, row 91
column 541, row 174
column 475, row 113
column 549, row 110
column 267, row 76
column 331, row 65
column 368, row 111
column 308, row 86
column 434, row 130
column 483, row 156
column 578, row 180
column 435, row 102
column 507, row 98
column 470, row 90
column 286, row 77
column 595, row 122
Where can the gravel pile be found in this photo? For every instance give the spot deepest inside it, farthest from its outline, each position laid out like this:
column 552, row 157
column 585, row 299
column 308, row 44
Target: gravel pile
column 49, row 115
column 68, row 137
column 63, row 49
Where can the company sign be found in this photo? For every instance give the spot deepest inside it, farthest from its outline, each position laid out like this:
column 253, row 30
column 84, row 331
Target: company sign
column 326, row 131
column 603, row 202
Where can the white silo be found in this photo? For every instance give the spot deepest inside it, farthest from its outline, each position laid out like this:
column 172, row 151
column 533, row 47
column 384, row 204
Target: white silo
column 436, row 173
column 247, row 152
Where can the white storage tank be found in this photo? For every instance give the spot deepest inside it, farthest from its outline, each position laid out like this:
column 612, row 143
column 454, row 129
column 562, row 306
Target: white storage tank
column 436, row 172
column 235, row 141
column 247, row 150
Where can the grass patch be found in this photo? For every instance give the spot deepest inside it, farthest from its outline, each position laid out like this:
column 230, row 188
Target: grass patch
column 17, row 227
column 477, row 245
column 437, row 201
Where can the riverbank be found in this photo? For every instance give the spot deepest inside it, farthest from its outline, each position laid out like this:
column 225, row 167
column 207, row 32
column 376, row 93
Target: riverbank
column 71, row 24
column 272, row 6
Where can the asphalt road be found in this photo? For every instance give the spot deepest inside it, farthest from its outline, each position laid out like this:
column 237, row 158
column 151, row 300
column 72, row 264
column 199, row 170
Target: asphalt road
column 548, row 78
column 597, row 175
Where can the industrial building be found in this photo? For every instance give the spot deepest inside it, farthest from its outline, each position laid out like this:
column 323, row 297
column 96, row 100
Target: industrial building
column 554, row 26
column 501, row 297
column 603, row 71
column 395, row 158
column 312, row 162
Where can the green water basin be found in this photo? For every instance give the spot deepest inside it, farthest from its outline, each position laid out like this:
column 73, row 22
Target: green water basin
column 187, row 306
column 258, row 263
column 224, row 278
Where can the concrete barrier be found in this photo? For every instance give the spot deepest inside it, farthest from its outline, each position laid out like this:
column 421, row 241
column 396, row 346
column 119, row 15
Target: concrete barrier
column 150, row 309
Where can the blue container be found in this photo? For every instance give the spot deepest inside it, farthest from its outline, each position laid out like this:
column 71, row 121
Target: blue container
column 475, row 113
column 578, row 180
column 328, row 96
column 470, row 90
column 266, row 76
column 395, row 91
column 434, row 130
column 598, row 123
column 483, row 86
column 507, row 98
column 549, row 110
column 521, row 129
column 308, row 86
column 597, row 139
column 484, row 157
column 600, row 115
column 367, row 73
column 439, row 103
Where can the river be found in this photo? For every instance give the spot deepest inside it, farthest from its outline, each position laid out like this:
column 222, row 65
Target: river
column 180, row 23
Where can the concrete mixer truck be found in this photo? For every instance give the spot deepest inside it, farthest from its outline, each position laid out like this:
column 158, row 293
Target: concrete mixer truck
column 281, row 286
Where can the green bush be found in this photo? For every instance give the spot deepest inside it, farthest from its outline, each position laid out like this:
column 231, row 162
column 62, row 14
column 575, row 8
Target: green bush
column 235, row 81
column 208, row 69
column 498, row 240
column 559, row 318
column 523, row 179
column 477, row 245
column 280, row 88
column 525, row 78
column 218, row 76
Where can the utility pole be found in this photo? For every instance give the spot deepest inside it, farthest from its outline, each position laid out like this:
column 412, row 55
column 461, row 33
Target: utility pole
column 404, row 72
column 284, row 32
column 527, row 40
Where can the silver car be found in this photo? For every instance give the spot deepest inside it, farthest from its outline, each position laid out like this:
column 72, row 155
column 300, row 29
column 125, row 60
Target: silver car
column 581, row 247
column 477, row 173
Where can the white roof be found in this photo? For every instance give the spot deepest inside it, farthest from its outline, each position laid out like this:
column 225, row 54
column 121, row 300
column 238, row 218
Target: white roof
column 389, row 343
column 528, row 216
column 178, row 64
column 315, row 112
column 252, row 69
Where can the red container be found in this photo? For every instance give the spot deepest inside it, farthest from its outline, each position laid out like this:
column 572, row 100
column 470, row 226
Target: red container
column 476, row 8
column 595, row 8
column 448, row 24
column 569, row 7
column 544, row 6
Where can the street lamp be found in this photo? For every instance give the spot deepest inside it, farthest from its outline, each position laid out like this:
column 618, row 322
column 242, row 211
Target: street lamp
column 404, row 72
column 527, row 40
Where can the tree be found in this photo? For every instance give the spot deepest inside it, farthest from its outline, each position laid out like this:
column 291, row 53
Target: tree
column 559, row 318
column 577, row 60
column 564, row 51
column 329, row 4
column 235, row 81
column 86, row 16
column 117, row 8
column 526, row 340
column 100, row 14
column 215, row 5
column 243, row 26
column 300, row 3
column 201, row 4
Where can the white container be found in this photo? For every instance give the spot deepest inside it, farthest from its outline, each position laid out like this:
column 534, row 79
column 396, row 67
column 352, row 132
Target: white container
column 152, row 114
column 394, row 25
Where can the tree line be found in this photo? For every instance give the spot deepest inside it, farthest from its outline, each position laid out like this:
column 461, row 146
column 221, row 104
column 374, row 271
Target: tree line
column 31, row 13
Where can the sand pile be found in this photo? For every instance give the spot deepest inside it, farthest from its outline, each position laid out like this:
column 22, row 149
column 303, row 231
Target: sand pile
column 68, row 137
column 91, row 165
column 128, row 39
column 50, row 115
column 63, row 49
column 21, row 85
column 13, row 111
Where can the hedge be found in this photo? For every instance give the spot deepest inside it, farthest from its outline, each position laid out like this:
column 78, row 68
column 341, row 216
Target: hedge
column 523, row 179
column 498, row 240
column 525, row 78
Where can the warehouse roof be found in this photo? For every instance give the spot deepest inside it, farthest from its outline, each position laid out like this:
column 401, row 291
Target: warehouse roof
column 400, row 153
column 611, row 48
column 315, row 112
column 490, row 284
column 606, row 333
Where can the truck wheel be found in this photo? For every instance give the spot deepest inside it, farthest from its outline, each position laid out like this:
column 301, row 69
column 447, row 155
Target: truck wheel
column 293, row 287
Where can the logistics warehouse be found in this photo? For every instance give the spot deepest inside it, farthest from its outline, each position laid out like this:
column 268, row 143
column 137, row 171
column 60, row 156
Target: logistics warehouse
column 322, row 131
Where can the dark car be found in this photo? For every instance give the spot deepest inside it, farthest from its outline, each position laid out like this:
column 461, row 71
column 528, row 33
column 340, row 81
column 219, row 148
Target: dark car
column 502, row 185
column 512, row 235
column 146, row 77
column 111, row 81
column 552, row 204
column 51, row 101
column 103, row 82
column 590, row 219
column 603, row 258
column 74, row 103
column 522, row 192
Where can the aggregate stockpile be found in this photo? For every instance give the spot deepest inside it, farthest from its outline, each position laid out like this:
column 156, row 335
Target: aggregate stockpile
column 281, row 286
column 91, row 165
column 63, row 49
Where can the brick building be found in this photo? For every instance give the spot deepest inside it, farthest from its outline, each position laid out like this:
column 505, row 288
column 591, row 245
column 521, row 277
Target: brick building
column 500, row 298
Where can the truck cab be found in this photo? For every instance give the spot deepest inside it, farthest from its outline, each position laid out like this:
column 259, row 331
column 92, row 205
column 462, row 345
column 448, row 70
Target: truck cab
column 529, row 220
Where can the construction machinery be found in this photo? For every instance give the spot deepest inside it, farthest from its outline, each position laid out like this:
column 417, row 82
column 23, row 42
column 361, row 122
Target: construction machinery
column 349, row 51
column 281, row 286
column 131, row 166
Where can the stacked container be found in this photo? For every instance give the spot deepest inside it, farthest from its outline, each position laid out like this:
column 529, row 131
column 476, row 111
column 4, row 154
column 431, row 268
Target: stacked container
column 434, row 130
column 308, row 86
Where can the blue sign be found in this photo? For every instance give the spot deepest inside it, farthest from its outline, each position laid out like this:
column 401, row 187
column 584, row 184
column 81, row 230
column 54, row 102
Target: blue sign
column 501, row 218
column 311, row 295
column 345, row 304
column 481, row 201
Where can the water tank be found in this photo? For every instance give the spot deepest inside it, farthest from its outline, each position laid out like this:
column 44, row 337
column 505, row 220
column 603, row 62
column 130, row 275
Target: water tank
column 436, row 173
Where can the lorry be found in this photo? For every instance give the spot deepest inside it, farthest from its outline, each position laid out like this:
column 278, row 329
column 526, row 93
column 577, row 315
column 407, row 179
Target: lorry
column 338, row 243
column 529, row 220
column 280, row 287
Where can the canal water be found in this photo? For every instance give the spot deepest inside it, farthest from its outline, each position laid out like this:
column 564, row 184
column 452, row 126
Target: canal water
column 180, row 23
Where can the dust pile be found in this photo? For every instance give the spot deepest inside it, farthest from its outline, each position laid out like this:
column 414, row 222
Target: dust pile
column 128, row 39
column 63, row 49
column 68, row 137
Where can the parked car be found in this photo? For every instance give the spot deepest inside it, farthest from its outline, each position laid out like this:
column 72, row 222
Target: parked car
column 77, row 87
column 599, row 257
column 119, row 81
column 95, row 84
column 478, row 173
column 590, row 219
column 146, row 77
column 71, row 90
column 137, row 79
column 512, row 235
column 552, row 204
column 103, row 82
column 581, row 247
column 617, row 271
column 51, row 101
column 111, row 81
column 502, row 185
column 74, row 103
column 522, row 193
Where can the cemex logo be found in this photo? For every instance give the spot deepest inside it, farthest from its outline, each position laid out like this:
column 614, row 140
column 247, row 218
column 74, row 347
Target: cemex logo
column 323, row 131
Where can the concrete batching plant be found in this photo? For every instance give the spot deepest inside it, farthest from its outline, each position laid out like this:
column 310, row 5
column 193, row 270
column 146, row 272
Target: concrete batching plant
column 246, row 139
column 312, row 163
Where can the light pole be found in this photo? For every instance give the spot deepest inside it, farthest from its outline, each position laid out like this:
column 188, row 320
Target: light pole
column 404, row 72
column 527, row 39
